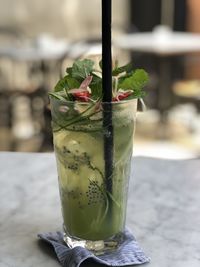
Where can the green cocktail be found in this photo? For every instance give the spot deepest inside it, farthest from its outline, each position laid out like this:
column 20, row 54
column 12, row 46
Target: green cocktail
column 93, row 204
column 89, row 210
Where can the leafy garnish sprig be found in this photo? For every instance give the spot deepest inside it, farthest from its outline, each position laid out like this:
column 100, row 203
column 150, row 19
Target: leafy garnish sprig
column 83, row 82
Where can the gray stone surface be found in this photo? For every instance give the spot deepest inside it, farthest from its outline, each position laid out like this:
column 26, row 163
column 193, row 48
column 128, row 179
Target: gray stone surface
column 163, row 210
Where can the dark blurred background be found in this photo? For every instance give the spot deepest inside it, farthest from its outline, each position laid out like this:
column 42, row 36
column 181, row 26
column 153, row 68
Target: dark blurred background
column 39, row 39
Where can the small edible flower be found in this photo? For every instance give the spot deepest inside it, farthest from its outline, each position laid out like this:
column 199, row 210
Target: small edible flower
column 82, row 93
column 121, row 95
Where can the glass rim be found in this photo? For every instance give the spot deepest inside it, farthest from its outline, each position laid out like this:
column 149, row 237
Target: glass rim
column 133, row 100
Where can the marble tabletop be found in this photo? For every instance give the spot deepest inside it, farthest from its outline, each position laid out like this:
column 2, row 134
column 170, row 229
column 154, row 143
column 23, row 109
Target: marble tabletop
column 163, row 210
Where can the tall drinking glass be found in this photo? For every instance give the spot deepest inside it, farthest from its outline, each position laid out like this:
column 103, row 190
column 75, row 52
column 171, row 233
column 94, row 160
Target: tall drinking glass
column 94, row 217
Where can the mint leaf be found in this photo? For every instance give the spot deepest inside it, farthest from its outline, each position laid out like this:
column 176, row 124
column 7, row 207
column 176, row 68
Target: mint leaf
column 72, row 83
column 82, row 68
column 135, row 81
column 118, row 70
column 96, row 86
column 69, row 71
column 66, row 83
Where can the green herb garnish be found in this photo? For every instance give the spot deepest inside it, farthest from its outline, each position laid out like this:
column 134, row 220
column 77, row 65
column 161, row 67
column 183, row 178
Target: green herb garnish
column 127, row 83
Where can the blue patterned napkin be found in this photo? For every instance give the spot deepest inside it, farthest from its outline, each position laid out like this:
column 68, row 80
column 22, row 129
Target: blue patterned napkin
column 128, row 252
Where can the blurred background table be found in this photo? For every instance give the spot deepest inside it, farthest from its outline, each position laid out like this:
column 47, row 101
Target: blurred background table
column 163, row 209
column 164, row 45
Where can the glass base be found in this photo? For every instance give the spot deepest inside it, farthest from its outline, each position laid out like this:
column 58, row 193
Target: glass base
column 98, row 247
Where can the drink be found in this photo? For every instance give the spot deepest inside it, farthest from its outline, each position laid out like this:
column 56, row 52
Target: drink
column 93, row 146
column 92, row 214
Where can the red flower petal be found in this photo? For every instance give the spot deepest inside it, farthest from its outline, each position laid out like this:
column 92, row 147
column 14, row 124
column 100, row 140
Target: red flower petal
column 86, row 82
column 82, row 96
column 120, row 96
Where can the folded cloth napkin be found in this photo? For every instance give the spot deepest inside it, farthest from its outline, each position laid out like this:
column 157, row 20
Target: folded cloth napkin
column 128, row 252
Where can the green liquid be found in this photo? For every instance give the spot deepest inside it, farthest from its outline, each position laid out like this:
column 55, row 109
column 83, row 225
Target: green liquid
column 89, row 211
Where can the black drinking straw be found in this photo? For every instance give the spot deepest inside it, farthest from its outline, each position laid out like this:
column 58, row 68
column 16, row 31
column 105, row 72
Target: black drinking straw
column 107, row 90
